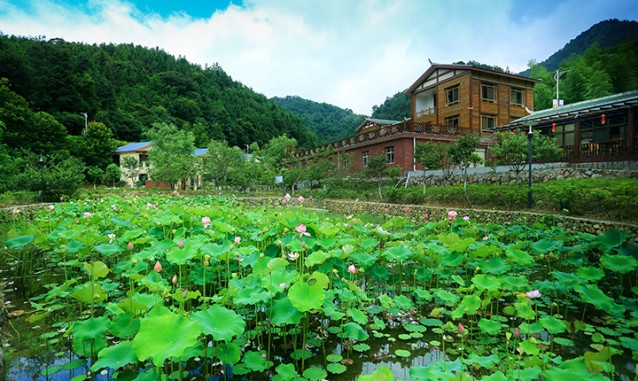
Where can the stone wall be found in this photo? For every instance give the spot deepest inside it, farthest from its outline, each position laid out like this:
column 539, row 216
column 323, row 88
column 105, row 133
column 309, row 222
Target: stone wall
column 501, row 175
column 570, row 224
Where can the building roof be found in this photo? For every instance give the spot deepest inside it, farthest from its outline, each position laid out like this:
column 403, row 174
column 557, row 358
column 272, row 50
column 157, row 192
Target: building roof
column 132, row 147
column 579, row 109
column 381, row 122
column 436, row 66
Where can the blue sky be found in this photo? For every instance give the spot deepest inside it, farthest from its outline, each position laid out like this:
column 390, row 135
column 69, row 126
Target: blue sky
column 350, row 53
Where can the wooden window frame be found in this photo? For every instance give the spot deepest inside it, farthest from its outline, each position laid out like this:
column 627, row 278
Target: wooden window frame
column 449, row 95
column 513, row 99
column 485, row 117
column 484, row 87
column 452, row 118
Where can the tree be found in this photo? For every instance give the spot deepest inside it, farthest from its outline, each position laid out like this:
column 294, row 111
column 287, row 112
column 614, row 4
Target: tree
column 131, row 168
column 94, row 175
column 462, row 153
column 62, row 175
column 430, row 155
column 512, row 149
column 376, row 170
column 112, row 174
column 221, row 160
column 171, row 158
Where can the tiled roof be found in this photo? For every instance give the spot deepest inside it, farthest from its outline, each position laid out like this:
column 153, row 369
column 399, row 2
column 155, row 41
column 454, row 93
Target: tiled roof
column 583, row 108
column 133, row 147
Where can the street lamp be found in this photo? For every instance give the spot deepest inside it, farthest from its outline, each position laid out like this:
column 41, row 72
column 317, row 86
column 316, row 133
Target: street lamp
column 41, row 163
column 557, row 78
column 530, row 136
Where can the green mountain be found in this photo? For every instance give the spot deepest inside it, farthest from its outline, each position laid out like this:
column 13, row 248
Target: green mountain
column 128, row 88
column 329, row 122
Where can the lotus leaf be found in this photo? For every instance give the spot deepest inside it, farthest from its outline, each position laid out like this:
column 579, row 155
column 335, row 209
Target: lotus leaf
column 486, row 282
column 436, row 371
column 220, row 322
column 402, row 353
column 611, row 239
column 115, row 357
column 574, row 369
column 619, row 263
column 96, row 270
column 361, row 347
column 18, row 242
column 592, row 274
column 491, row 327
column 305, row 297
column 446, row 297
column 107, row 248
column 90, row 292
column 594, row 295
column 89, row 335
column 178, row 334
column 357, row 316
column 336, row 368
column 283, row 312
column 496, row 376
column 382, row 373
column 519, row 256
column 228, row 353
column 315, row 373
column 354, row 331
column 286, row 372
column 545, row 246
column 524, row 310
column 255, row 361
column 553, row 325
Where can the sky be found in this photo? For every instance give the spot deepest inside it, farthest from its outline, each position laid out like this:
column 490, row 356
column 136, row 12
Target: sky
column 349, row 53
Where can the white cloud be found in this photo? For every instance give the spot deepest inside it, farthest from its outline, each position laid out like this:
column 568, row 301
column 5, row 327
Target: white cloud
column 345, row 52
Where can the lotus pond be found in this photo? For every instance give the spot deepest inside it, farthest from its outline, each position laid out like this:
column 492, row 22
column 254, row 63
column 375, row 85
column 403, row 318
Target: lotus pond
column 205, row 288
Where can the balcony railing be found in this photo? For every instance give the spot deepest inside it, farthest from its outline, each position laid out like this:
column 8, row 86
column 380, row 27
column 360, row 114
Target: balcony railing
column 423, row 115
column 402, row 128
column 601, row 151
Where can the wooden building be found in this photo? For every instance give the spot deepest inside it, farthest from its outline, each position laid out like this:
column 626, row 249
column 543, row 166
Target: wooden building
column 446, row 101
column 602, row 129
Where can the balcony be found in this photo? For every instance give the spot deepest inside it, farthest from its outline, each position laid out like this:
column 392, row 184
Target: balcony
column 426, row 115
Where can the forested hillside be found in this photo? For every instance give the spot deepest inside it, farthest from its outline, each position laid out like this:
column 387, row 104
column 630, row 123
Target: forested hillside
column 329, row 122
column 129, row 88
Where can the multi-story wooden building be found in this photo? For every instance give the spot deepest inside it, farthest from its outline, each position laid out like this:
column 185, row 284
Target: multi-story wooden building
column 446, row 102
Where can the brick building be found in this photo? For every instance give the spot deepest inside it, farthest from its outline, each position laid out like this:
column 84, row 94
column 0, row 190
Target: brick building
column 446, row 102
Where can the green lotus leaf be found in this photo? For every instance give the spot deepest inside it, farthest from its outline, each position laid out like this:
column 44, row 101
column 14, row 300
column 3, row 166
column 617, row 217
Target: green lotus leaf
column 357, row 316
column 89, row 335
column 619, row 263
column 563, row 341
column 519, row 256
column 486, row 362
column 575, row 369
column 594, row 295
column 361, row 347
column 124, row 325
column 496, row 376
column 529, row 347
column 228, row 353
column 315, row 373
column 382, row 373
column 494, row 265
column 334, row 357
column 255, row 361
column 593, row 274
column 446, row 297
column 429, row 322
column 363, row 259
column 96, row 270
column 553, row 325
column 402, row 353
column 524, row 310
column 286, row 372
column 283, row 312
column 181, row 256
column 472, row 303
column 215, row 250
column 403, row 302
column 319, row 278
column 378, row 272
column 404, row 336
column 89, row 292
column 301, row 353
column 107, row 249
column 18, row 242
column 397, row 253
column 515, row 283
column 222, row 323
column 437, row 370
column 611, row 239
column 74, row 246
column 336, row 368
column 451, row 259
column 414, row 328
column 423, row 294
column 545, row 246
column 316, row 258
column 486, row 282
column 354, row 331
column 178, row 334
column 305, row 297
column 460, row 281
column 491, row 327
column 115, row 357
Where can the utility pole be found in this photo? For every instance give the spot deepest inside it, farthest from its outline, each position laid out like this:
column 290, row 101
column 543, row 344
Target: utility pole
column 557, row 78
column 86, row 122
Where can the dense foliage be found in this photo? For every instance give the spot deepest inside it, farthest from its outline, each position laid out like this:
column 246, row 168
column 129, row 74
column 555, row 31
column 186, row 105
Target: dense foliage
column 164, row 287
column 329, row 122
column 396, row 107
column 128, row 88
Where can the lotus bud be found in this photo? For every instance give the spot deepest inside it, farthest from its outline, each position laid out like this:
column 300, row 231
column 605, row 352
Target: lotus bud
column 174, row 280
column 180, row 244
column 461, row 329
column 129, row 246
column 352, row 269
column 517, row 332
column 206, row 263
column 158, row 267
column 237, row 240
column 185, row 294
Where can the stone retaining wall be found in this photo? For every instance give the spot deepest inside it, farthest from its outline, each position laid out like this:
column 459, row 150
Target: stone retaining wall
column 570, row 224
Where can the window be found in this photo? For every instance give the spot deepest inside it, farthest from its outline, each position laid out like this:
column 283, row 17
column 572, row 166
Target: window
column 389, row 154
column 452, row 95
column 366, row 157
column 452, row 121
column 517, row 97
column 488, row 93
column 344, row 162
column 488, row 122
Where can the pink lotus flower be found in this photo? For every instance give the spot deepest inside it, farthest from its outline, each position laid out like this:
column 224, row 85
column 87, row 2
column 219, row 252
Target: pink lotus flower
column 86, row 215
column 461, row 329
column 282, row 285
column 466, row 218
column 517, row 332
column 406, row 209
column 180, row 244
column 426, row 216
column 237, row 240
column 206, row 221
column 301, row 229
column 184, row 294
column 284, row 201
column 51, row 207
column 287, row 197
column 158, row 267
column 352, row 269
column 300, row 199
column 533, row 294
column 451, row 215
column 129, row 246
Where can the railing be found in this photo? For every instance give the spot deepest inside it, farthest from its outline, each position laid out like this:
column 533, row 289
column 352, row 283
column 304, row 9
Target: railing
column 600, row 151
column 422, row 115
column 405, row 127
